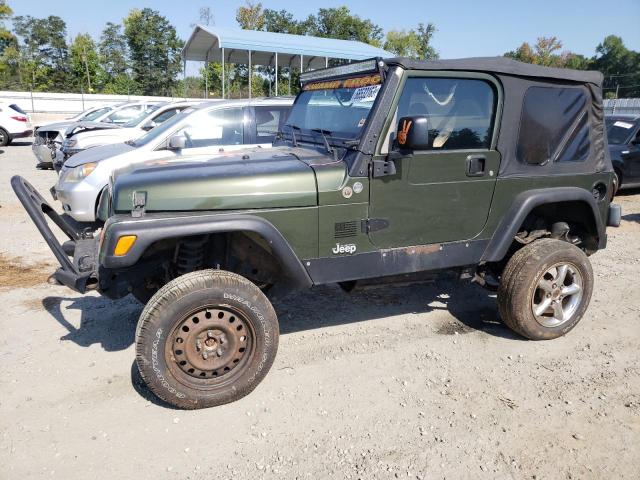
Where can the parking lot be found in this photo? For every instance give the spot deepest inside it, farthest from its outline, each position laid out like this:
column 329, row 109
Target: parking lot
column 398, row 382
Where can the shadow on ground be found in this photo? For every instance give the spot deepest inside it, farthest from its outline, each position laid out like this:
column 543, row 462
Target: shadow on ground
column 108, row 323
column 631, row 217
column 111, row 323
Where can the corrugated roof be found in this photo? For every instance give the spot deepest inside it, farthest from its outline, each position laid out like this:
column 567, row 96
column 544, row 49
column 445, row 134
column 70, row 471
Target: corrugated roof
column 206, row 43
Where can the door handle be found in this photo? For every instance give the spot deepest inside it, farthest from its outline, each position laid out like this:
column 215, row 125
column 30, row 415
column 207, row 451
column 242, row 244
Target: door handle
column 476, row 165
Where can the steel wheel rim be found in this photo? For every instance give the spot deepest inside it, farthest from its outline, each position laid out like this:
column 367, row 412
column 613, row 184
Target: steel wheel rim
column 218, row 343
column 558, row 295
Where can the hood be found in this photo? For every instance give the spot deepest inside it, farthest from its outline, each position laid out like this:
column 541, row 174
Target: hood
column 248, row 179
column 77, row 127
column 60, row 127
column 98, row 154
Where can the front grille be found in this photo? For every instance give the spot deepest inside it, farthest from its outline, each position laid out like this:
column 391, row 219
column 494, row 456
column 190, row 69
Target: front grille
column 346, row 229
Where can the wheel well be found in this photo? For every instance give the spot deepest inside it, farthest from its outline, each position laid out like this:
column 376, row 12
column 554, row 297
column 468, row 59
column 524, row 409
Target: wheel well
column 243, row 252
column 550, row 220
column 577, row 214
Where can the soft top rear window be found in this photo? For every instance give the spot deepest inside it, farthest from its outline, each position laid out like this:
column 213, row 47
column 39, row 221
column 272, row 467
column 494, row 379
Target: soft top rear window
column 554, row 126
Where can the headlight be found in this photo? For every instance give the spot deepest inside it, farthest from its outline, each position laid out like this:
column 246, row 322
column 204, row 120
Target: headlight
column 77, row 174
column 69, row 143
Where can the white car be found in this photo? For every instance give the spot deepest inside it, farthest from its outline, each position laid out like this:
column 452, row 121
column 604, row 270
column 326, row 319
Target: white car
column 80, row 138
column 203, row 130
column 14, row 123
column 48, row 138
column 88, row 114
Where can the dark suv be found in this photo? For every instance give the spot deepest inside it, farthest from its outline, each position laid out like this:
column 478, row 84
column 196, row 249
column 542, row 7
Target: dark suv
column 623, row 135
column 386, row 171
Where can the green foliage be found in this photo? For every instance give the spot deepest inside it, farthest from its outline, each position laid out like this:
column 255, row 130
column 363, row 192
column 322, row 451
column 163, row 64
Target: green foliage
column 619, row 65
column 43, row 59
column 341, row 23
column 154, row 51
column 86, row 68
column 412, row 43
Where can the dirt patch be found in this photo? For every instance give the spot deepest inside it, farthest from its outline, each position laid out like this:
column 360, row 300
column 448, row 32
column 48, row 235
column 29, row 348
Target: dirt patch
column 16, row 274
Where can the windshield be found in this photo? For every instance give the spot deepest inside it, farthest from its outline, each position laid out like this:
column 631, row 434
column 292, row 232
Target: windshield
column 96, row 113
column 135, row 121
column 618, row 130
column 338, row 107
column 161, row 130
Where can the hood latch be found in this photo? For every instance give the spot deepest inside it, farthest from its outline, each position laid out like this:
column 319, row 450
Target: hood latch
column 139, row 203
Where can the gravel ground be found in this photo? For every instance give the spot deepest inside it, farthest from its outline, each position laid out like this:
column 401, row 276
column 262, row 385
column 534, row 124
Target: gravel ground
column 404, row 382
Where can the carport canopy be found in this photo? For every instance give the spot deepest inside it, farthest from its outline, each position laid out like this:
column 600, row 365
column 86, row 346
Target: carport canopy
column 251, row 47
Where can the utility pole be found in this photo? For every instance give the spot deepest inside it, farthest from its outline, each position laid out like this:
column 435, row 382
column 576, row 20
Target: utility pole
column 86, row 65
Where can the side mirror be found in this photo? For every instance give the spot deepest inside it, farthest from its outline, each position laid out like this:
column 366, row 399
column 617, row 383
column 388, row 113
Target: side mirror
column 177, row 142
column 149, row 126
column 635, row 141
column 413, row 133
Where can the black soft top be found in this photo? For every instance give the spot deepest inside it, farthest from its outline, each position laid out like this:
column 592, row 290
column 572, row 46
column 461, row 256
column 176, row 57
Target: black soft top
column 502, row 65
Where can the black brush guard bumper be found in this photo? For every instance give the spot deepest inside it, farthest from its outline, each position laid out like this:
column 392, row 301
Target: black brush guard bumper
column 77, row 257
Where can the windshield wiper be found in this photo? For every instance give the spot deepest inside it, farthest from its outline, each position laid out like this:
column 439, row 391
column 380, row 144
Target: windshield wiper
column 329, row 148
column 293, row 128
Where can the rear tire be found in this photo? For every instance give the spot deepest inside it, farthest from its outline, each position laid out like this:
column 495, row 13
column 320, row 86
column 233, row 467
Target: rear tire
column 206, row 338
column 4, row 138
column 545, row 289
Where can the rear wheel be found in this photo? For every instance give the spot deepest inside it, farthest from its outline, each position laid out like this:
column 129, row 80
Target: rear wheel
column 545, row 289
column 4, row 138
column 205, row 339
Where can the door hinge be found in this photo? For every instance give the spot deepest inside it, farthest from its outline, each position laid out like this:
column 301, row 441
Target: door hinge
column 139, row 203
column 374, row 224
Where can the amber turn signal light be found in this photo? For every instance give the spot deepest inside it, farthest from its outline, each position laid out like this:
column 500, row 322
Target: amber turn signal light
column 124, row 245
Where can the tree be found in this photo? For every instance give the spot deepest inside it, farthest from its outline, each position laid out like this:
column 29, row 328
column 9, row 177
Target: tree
column 250, row 16
column 341, row 23
column 43, row 56
column 9, row 53
column 413, row 43
column 548, row 52
column 114, row 61
column 85, row 63
column 619, row 65
column 154, row 49
column 205, row 17
column 7, row 39
column 281, row 22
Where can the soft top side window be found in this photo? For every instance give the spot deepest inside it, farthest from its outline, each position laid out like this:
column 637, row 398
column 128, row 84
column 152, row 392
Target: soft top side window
column 460, row 111
column 554, row 126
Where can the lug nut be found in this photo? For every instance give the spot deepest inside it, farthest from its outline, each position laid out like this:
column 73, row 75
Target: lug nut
column 219, row 352
column 210, row 334
column 205, row 355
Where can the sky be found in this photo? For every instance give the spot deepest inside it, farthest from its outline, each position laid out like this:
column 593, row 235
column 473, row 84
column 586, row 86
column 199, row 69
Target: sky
column 466, row 28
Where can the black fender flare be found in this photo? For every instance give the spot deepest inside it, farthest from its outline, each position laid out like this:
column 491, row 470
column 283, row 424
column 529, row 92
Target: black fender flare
column 150, row 229
column 524, row 203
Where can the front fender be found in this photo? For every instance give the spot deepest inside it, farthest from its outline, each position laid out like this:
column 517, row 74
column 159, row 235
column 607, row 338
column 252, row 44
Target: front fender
column 153, row 228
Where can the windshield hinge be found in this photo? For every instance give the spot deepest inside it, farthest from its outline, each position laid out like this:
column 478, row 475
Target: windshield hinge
column 369, row 225
column 383, row 168
column 139, row 203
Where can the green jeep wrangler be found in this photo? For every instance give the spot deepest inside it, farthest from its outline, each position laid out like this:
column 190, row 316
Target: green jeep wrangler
column 385, row 171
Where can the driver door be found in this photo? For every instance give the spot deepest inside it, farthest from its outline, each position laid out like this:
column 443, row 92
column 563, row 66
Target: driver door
column 441, row 194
